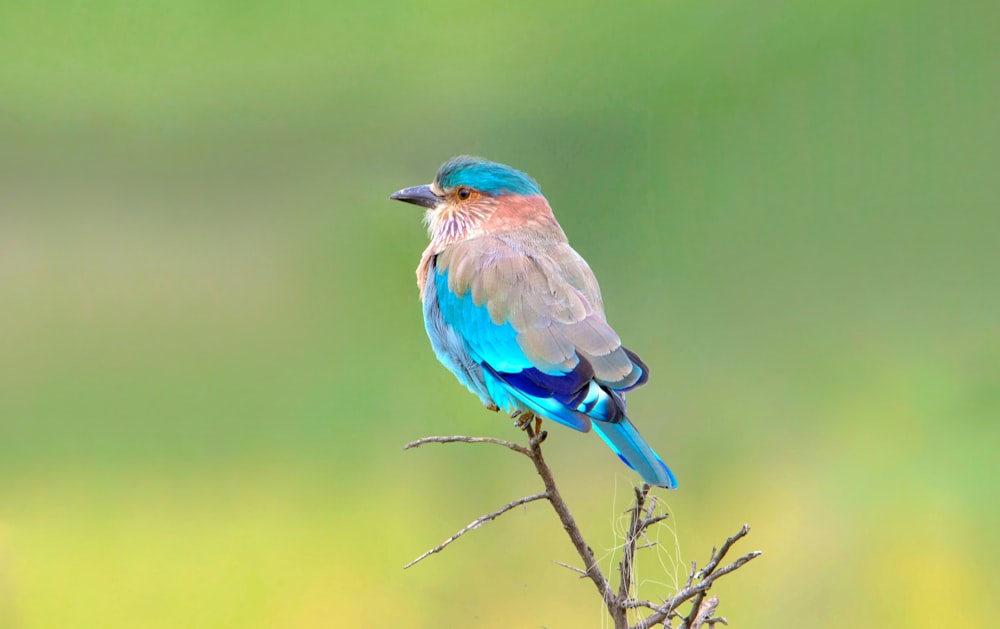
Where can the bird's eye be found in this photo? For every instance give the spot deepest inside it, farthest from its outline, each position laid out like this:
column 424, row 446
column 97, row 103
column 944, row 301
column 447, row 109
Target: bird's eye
column 464, row 193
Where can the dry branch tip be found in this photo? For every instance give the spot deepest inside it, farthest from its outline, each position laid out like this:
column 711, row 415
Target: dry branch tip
column 642, row 517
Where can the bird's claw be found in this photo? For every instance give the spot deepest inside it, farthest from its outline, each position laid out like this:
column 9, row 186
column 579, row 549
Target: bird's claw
column 539, row 438
column 522, row 420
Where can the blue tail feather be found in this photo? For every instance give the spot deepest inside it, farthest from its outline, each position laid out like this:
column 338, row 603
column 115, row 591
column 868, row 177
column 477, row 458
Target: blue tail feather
column 628, row 444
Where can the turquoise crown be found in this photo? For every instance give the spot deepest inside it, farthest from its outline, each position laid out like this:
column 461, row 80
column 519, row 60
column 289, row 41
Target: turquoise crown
column 486, row 176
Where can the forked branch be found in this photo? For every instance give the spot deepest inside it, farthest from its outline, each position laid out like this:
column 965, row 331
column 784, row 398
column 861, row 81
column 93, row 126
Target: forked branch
column 642, row 516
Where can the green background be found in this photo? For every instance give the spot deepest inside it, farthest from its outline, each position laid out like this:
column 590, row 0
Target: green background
column 211, row 347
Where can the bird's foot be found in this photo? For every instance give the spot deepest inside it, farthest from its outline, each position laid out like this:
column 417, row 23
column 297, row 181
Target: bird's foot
column 522, row 419
column 493, row 407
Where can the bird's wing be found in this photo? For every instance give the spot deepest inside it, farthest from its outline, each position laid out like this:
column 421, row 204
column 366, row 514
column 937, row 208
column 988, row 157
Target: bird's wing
column 532, row 316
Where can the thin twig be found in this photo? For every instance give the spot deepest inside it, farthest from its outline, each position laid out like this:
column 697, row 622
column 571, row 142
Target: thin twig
column 463, row 439
column 635, row 528
column 715, row 558
column 694, row 568
column 733, row 566
column 705, row 611
column 583, row 573
column 651, row 507
column 695, row 606
column 691, row 590
column 476, row 524
column 654, row 520
column 635, row 604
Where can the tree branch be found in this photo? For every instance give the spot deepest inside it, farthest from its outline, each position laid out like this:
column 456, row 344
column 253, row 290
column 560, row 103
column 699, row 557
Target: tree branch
column 636, row 527
column 463, row 439
column 707, row 576
column 475, row 524
column 583, row 573
column 716, row 557
column 568, row 522
column 642, row 516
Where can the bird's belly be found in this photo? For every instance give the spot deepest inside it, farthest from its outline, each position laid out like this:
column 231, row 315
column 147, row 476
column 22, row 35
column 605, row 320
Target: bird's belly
column 450, row 347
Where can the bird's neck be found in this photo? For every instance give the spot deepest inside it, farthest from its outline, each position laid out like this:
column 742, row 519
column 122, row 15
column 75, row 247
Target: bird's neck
column 529, row 215
column 450, row 224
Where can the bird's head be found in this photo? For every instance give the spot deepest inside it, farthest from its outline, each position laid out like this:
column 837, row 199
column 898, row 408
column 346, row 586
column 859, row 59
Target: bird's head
column 466, row 192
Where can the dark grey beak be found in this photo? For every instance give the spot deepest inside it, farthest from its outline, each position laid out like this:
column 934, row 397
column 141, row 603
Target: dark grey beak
column 417, row 195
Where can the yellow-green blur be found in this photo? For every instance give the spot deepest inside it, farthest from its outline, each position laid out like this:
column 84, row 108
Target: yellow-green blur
column 212, row 351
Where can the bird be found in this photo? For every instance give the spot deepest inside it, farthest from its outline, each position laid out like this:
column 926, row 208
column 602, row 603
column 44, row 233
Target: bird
column 516, row 314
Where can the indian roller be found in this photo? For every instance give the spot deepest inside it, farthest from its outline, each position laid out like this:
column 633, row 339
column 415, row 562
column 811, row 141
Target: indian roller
column 517, row 315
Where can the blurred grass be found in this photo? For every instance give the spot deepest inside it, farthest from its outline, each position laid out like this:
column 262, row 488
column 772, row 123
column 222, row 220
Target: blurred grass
column 212, row 348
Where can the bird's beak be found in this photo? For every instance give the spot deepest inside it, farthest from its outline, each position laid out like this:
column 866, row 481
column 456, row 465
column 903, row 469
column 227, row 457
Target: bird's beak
column 417, row 195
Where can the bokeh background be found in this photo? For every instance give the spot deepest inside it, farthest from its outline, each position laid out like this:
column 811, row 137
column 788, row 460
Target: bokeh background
column 211, row 349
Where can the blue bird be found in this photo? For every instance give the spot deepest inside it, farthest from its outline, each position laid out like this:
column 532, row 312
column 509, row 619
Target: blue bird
column 516, row 314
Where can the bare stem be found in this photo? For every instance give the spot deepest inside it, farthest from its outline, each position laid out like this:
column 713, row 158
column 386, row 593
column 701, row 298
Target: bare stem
column 464, row 439
column 582, row 573
column 475, row 524
column 637, row 519
column 642, row 516
column 696, row 591
column 717, row 556
column 569, row 523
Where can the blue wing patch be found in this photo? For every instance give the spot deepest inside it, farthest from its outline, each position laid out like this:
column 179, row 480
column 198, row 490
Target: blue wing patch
column 488, row 342
column 571, row 398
